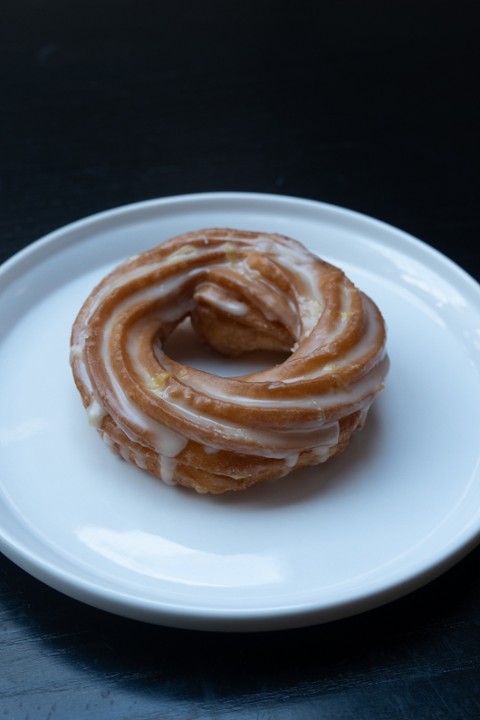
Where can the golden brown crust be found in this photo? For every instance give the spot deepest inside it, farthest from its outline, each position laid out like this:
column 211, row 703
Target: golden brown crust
column 243, row 291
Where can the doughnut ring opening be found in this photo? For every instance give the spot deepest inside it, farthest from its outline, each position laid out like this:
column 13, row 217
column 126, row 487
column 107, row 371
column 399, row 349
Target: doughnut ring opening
column 243, row 291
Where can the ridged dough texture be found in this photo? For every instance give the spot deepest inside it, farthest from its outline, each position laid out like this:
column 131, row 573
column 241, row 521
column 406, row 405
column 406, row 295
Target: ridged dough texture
column 243, row 291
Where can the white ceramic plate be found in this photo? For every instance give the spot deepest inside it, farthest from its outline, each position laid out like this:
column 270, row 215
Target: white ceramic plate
column 401, row 505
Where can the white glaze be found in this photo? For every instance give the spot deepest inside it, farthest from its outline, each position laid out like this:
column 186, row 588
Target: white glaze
column 219, row 299
column 167, row 467
column 95, row 413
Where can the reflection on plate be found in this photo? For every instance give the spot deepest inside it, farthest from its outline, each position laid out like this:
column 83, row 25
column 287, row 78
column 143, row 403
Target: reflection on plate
column 401, row 505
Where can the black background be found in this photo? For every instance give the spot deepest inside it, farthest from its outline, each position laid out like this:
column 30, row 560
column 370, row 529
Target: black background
column 369, row 105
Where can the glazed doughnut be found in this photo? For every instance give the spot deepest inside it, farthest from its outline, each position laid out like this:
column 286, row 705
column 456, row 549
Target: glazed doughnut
column 243, row 291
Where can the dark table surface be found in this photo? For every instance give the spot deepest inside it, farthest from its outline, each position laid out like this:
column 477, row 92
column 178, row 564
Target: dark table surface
column 369, row 105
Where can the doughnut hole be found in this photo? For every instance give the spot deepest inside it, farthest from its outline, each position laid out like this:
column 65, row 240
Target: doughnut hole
column 189, row 348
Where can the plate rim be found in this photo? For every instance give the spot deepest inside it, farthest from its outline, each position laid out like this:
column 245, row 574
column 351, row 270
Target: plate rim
column 69, row 231
column 229, row 620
